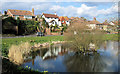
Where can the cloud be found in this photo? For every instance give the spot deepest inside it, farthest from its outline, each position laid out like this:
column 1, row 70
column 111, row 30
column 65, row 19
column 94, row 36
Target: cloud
column 60, row 0
column 42, row 7
column 83, row 10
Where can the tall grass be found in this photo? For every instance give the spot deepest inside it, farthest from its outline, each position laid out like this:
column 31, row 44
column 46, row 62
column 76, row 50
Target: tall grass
column 16, row 53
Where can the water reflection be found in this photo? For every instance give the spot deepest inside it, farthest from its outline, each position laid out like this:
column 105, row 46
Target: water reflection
column 58, row 58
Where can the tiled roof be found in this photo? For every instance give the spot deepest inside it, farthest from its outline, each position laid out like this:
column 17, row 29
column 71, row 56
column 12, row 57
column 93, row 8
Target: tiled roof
column 106, row 23
column 61, row 18
column 94, row 22
column 21, row 12
column 66, row 18
column 116, row 22
column 50, row 15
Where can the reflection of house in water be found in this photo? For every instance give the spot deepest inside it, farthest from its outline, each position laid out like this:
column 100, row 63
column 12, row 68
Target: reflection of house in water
column 47, row 53
column 54, row 51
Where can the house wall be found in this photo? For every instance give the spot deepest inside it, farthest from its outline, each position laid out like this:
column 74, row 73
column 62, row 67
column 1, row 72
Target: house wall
column 105, row 27
column 28, row 17
column 92, row 26
column 50, row 19
column 16, row 16
column 60, row 23
column 67, row 22
column 112, row 23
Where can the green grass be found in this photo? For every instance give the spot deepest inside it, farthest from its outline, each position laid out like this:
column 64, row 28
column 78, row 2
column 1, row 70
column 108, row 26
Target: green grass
column 6, row 43
column 114, row 37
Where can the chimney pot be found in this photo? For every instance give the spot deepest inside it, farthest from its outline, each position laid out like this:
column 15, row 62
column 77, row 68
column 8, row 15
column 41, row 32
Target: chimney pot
column 55, row 13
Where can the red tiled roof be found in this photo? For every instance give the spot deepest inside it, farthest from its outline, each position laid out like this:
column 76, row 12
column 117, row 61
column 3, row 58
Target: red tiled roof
column 66, row 18
column 116, row 22
column 106, row 23
column 21, row 12
column 94, row 22
column 50, row 15
column 61, row 18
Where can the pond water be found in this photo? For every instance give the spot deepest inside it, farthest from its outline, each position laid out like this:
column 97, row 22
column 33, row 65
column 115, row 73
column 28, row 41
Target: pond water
column 58, row 58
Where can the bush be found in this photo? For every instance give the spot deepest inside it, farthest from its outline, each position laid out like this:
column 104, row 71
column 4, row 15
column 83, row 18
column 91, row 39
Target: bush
column 16, row 52
column 82, row 37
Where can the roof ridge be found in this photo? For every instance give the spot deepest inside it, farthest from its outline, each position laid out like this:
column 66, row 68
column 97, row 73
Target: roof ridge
column 19, row 10
column 50, row 14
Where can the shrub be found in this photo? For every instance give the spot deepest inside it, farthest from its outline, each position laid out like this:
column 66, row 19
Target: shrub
column 81, row 36
column 16, row 52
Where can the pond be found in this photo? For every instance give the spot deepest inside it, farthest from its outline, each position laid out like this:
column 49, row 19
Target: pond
column 59, row 58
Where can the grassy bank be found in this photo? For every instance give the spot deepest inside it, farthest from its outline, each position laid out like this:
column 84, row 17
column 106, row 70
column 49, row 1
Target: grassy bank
column 6, row 43
column 111, row 37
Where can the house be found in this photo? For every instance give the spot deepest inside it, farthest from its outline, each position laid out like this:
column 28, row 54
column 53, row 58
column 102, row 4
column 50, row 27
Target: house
column 22, row 14
column 64, row 20
column 112, row 23
column 51, row 19
column 106, row 26
column 67, row 20
column 94, row 24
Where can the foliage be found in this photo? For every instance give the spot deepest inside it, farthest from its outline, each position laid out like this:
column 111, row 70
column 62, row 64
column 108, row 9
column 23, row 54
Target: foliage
column 82, row 36
column 24, row 26
column 44, row 23
column 8, row 24
column 64, row 28
column 9, row 67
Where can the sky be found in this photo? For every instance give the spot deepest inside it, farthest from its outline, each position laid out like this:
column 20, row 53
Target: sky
column 89, row 10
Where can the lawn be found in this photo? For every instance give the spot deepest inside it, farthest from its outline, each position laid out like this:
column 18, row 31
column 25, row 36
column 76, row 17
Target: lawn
column 115, row 37
column 6, row 43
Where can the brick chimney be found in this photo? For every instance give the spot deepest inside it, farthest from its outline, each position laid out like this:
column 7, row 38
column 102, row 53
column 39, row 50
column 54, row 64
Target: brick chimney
column 33, row 11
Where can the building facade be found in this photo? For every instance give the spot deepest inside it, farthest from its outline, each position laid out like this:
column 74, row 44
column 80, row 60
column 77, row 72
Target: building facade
column 22, row 14
column 51, row 19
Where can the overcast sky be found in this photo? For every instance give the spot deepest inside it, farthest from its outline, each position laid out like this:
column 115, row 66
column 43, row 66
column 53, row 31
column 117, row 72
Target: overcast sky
column 100, row 10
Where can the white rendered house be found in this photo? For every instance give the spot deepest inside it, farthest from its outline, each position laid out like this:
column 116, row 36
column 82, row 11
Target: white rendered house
column 51, row 19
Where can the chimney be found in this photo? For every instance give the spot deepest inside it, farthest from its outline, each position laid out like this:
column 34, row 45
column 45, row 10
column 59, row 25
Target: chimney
column 55, row 13
column 94, row 18
column 33, row 11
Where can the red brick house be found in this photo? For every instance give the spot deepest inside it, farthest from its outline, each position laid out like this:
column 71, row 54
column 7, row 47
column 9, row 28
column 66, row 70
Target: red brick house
column 22, row 14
